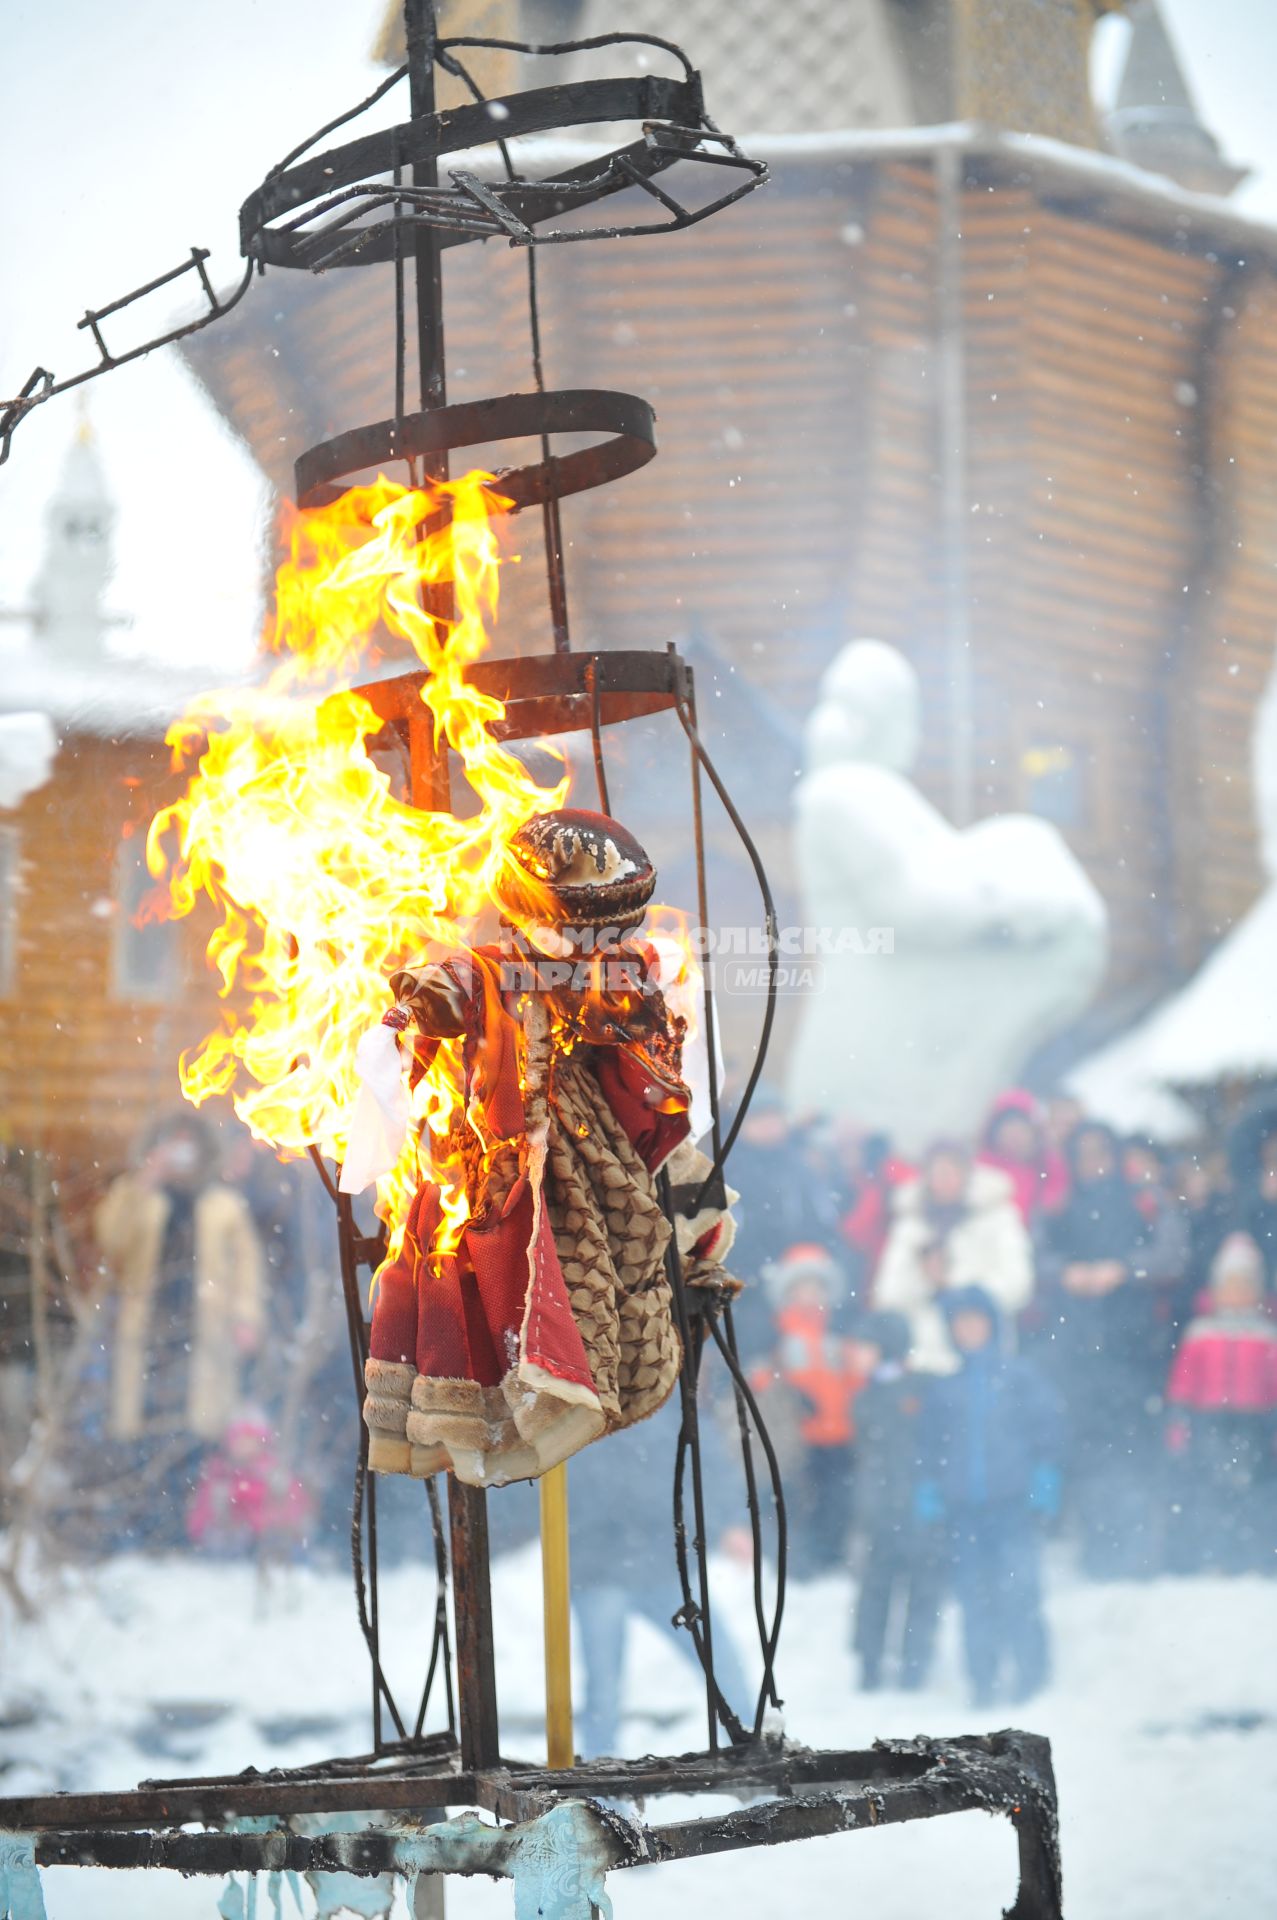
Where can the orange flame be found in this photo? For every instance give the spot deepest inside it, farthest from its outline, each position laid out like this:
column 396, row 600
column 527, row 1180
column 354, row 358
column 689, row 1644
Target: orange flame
column 326, row 883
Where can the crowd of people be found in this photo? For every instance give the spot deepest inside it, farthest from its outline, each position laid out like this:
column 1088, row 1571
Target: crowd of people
column 1050, row 1328
column 215, row 1402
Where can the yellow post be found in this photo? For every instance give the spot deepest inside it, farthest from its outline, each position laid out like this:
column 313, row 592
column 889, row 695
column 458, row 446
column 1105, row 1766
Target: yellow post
column 555, row 1585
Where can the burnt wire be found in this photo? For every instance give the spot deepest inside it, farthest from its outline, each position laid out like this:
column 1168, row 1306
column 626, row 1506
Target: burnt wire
column 690, row 1614
column 768, row 1632
column 596, row 735
column 42, row 385
column 442, row 1638
column 702, row 908
column 365, row 1578
column 715, row 1173
column 401, row 324
column 331, row 126
column 367, row 1623
column 364, row 1566
column 330, row 1185
column 556, row 577
column 695, row 1612
column 747, row 1409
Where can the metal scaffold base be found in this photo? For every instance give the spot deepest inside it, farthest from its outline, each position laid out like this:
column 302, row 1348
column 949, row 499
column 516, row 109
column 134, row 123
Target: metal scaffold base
column 563, row 1827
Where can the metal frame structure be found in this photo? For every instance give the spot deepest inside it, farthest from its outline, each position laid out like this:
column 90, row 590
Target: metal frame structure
column 808, row 1795
column 351, row 206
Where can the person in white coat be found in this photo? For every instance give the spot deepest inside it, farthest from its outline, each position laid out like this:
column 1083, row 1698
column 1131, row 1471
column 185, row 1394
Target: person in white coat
column 956, row 1225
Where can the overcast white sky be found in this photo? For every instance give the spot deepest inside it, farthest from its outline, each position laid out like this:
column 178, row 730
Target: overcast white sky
column 130, row 132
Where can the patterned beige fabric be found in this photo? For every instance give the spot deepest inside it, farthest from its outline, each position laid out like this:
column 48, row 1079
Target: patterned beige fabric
column 611, row 1237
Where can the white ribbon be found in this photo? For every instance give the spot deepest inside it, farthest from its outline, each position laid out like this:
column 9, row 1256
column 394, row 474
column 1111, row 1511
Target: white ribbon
column 379, row 1124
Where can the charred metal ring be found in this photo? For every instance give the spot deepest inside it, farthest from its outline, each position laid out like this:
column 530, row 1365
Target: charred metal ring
column 629, row 421
column 426, row 137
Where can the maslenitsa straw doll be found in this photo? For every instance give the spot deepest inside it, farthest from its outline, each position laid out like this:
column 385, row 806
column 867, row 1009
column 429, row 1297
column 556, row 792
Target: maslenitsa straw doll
column 541, row 1319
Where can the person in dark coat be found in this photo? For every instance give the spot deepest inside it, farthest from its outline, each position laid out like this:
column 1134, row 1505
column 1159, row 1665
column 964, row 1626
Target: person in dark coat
column 621, row 1528
column 901, row 1573
column 867, row 1174
column 1147, row 1172
column 1252, row 1158
column 1203, row 1187
column 990, row 1466
column 1104, row 1260
column 785, row 1199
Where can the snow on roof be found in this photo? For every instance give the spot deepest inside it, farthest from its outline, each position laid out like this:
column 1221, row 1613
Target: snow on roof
column 1221, row 1026
column 1111, row 1085
column 109, row 697
column 1132, row 189
column 27, row 747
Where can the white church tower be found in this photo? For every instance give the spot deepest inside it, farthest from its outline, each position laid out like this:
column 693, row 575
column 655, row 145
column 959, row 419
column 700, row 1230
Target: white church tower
column 67, row 614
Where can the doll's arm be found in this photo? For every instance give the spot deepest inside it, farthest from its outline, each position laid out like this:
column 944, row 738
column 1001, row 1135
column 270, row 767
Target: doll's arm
column 438, row 995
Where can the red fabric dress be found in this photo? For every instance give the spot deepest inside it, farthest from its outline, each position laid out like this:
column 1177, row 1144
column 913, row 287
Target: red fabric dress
column 549, row 1322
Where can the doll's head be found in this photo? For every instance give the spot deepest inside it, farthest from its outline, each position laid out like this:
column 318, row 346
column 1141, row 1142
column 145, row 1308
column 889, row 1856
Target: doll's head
column 571, row 874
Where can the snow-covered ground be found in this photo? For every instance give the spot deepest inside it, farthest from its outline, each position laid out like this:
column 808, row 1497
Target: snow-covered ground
column 1163, row 1718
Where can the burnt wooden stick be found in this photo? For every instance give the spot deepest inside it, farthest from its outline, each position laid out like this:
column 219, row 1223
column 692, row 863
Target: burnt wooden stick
column 472, row 1607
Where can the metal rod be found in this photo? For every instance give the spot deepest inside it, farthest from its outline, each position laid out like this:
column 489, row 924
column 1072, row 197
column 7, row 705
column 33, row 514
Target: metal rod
column 552, row 525
column 556, row 1584
column 747, row 1408
column 421, row 35
column 596, row 735
column 374, row 1607
column 400, row 321
column 555, row 573
column 689, row 1440
column 702, row 908
column 768, row 1635
column 198, row 256
column 773, row 945
column 358, row 1331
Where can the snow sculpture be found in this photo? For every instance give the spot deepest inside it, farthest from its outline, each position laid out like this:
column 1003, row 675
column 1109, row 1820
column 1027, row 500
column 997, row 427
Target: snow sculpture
column 994, row 936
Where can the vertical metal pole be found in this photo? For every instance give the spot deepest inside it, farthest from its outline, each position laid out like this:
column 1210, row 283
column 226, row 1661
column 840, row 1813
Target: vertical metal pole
column 467, row 1509
column 954, row 505
column 556, row 1587
column 421, row 33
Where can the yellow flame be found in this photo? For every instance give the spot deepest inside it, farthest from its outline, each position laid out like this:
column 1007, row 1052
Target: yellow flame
column 325, row 883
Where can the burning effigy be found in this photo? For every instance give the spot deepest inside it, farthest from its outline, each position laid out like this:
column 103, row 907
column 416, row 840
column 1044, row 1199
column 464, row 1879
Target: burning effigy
column 461, row 1009
column 547, row 1320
